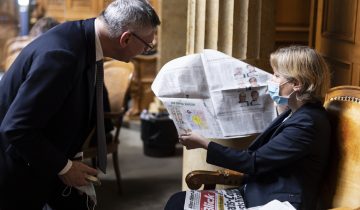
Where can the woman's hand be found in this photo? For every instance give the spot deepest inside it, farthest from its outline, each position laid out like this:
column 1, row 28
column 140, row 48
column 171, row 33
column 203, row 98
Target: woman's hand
column 193, row 141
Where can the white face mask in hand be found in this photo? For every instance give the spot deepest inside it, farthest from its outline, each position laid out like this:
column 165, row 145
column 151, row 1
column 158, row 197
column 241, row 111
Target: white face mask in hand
column 89, row 190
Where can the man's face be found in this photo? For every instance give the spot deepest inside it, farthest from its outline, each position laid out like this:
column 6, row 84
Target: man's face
column 140, row 42
column 146, row 41
column 131, row 44
column 242, row 97
column 254, row 95
column 253, row 82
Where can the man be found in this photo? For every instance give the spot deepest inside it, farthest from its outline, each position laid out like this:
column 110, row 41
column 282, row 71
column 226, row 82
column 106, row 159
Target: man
column 242, row 99
column 47, row 104
column 254, row 98
column 253, row 82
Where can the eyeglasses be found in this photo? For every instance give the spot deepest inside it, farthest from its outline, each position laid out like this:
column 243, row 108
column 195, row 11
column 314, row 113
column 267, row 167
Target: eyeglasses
column 149, row 46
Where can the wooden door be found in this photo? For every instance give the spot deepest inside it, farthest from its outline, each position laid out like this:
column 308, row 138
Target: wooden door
column 338, row 39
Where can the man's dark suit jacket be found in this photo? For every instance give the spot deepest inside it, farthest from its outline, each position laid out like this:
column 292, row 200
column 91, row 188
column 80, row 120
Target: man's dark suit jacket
column 46, row 101
column 285, row 162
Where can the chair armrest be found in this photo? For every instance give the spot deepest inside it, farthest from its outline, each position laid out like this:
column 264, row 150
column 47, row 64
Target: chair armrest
column 209, row 179
column 116, row 117
column 114, row 114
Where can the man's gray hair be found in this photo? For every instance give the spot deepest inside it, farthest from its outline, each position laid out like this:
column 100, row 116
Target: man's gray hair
column 122, row 15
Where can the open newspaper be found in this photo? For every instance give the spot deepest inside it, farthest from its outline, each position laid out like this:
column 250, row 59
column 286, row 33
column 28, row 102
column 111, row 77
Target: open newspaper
column 215, row 95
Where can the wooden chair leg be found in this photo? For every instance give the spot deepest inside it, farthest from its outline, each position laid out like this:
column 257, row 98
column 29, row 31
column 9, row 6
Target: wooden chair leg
column 117, row 171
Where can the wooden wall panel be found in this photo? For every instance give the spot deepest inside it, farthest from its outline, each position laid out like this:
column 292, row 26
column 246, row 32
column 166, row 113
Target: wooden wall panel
column 355, row 79
column 292, row 19
column 81, row 9
column 55, row 9
column 337, row 38
column 336, row 12
column 341, row 72
column 64, row 10
column 8, row 25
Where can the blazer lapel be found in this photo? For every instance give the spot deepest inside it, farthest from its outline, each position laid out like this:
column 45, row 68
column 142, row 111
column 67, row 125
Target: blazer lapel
column 89, row 31
column 265, row 135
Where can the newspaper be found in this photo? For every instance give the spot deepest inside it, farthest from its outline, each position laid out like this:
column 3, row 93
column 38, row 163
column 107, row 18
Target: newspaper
column 229, row 199
column 215, row 95
column 274, row 205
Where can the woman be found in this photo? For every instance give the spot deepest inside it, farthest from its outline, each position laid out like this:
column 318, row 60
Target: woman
column 287, row 160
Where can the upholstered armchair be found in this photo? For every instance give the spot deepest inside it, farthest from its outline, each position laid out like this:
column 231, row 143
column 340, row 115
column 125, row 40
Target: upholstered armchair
column 341, row 188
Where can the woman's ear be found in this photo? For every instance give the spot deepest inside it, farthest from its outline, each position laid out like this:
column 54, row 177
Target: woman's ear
column 297, row 85
column 124, row 39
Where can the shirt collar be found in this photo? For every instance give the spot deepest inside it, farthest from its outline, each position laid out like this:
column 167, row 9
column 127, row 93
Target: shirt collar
column 99, row 51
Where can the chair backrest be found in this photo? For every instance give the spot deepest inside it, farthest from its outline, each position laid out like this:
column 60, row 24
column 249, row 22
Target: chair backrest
column 10, row 59
column 342, row 185
column 117, row 77
column 15, row 44
column 12, row 49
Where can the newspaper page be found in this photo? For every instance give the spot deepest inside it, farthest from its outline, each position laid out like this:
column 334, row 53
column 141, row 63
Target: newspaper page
column 274, row 205
column 238, row 92
column 229, row 199
column 193, row 115
column 215, row 95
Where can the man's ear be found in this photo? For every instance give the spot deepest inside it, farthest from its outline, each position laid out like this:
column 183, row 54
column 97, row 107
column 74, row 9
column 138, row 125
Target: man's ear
column 124, row 39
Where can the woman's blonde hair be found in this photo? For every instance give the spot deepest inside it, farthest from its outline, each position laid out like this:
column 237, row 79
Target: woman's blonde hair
column 305, row 65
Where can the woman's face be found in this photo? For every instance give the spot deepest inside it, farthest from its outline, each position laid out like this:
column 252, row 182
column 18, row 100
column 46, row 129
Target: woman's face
column 286, row 87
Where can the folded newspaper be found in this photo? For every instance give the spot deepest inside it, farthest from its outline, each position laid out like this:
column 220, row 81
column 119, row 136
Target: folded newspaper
column 274, row 205
column 215, row 95
column 229, row 199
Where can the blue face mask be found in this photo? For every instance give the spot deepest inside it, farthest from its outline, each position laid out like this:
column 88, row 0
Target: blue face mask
column 274, row 91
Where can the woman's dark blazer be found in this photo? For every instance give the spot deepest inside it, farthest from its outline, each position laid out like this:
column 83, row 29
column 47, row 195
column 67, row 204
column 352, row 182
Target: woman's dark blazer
column 46, row 99
column 285, row 162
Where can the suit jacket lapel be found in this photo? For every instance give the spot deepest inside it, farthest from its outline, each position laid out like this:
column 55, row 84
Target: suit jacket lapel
column 265, row 135
column 89, row 31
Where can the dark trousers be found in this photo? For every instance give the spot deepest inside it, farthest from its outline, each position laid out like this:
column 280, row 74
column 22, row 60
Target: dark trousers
column 23, row 188
column 176, row 201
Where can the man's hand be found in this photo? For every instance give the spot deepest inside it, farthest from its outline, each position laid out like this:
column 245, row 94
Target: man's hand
column 193, row 141
column 76, row 176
